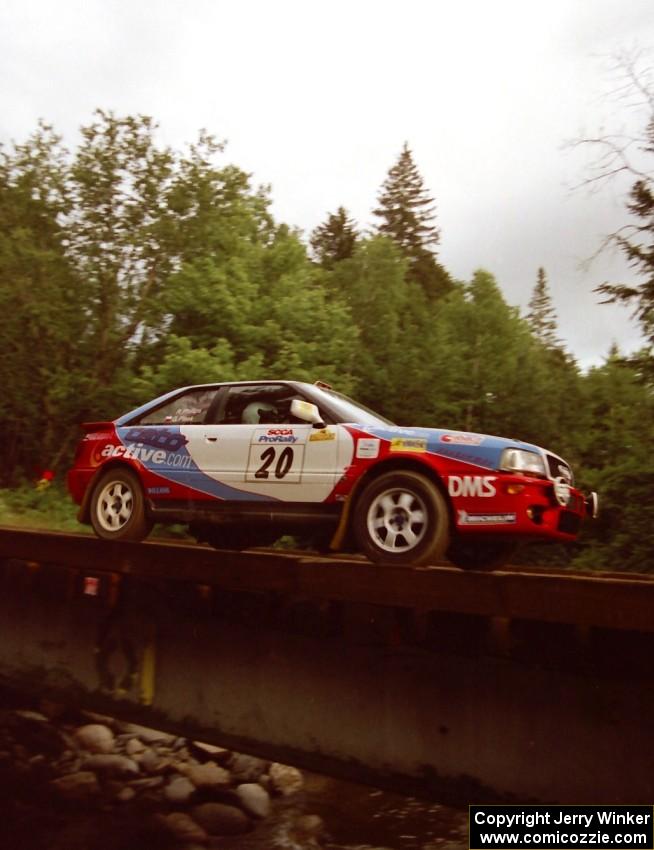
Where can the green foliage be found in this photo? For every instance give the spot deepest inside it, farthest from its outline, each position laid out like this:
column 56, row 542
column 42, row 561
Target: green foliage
column 334, row 240
column 408, row 216
column 541, row 315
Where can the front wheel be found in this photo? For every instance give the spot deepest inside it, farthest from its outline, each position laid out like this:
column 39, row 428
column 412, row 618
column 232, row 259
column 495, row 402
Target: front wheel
column 486, row 554
column 118, row 507
column 402, row 518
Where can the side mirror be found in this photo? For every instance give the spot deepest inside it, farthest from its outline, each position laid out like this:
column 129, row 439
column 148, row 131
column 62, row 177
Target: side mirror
column 307, row 412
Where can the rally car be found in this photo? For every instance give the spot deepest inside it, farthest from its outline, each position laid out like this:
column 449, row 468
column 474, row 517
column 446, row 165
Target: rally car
column 243, row 463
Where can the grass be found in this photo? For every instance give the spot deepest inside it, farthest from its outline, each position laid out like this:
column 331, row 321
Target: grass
column 49, row 509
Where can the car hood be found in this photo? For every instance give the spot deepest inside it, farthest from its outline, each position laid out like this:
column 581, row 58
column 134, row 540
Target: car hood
column 482, row 450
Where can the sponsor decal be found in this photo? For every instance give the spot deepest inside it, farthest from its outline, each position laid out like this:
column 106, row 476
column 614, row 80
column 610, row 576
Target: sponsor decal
column 471, row 485
column 408, row 444
column 320, row 436
column 160, row 438
column 277, row 435
column 367, row 447
column 159, row 491
column 148, row 455
column 462, row 439
column 464, row 518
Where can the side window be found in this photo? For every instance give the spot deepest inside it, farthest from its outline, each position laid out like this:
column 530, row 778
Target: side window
column 188, row 409
column 258, row 405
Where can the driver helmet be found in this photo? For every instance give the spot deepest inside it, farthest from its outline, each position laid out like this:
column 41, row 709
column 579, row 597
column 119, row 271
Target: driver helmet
column 252, row 413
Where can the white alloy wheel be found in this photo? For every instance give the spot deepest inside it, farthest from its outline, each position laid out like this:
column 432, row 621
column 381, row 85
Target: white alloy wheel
column 397, row 520
column 115, row 505
column 117, row 509
column 401, row 517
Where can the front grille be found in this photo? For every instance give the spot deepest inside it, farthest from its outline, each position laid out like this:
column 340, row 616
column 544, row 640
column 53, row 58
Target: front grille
column 559, row 469
column 569, row 523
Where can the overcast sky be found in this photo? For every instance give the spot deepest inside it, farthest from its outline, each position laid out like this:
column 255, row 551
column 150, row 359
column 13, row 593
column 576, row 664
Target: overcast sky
column 316, row 99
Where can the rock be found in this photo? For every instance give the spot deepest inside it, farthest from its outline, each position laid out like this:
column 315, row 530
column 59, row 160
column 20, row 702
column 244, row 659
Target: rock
column 95, row 738
column 208, row 775
column 77, row 786
column 150, row 761
column 146, row 784
column 125, row 795
column 179, row 790
column 34, row 716
column 33, row 732
column 221, row 819
column 206, row 752
column 112, row 765
column 286, row 780
column 246, row 768
column 149, row 736
column 183, row 827
column 254, row 799
column 134, row 746
column 308, row 826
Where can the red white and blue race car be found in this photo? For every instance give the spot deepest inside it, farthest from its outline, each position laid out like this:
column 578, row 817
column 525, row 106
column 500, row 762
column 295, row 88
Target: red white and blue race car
column 243, row 463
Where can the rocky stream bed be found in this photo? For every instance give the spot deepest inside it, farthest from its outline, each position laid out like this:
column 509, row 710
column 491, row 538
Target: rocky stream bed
column 72, row 780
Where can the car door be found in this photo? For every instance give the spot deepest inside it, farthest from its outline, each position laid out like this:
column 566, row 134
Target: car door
column 269, row 456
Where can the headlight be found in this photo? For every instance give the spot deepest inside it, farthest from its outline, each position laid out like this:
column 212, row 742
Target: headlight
column 519, row 460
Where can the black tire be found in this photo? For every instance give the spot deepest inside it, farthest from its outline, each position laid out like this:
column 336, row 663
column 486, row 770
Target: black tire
column 481, row 553
column 118, row 507
column 402, row 518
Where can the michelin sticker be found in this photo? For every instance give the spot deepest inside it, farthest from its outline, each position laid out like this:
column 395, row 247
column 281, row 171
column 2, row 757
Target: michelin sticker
column 464, row 518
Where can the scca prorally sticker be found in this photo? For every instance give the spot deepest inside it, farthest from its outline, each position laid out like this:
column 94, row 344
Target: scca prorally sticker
column 276, row 435
column 408, row 444
column 462, row 439
column 367, row 447
column 471, row 485
column 464, row 518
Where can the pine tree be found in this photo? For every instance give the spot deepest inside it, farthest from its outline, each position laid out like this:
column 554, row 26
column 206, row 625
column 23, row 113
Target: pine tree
column 541, row 315
column 408, row 214
column 334, row 240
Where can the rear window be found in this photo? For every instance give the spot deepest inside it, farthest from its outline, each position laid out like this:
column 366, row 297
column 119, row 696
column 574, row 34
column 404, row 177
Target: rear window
column 188, row 409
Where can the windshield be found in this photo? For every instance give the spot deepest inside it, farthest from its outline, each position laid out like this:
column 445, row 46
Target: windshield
column 347, row 410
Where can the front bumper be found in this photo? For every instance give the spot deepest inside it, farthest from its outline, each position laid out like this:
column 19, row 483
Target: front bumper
column 526, row 507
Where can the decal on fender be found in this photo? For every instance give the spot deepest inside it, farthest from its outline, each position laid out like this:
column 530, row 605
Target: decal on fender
column 367, row 447
column 408, row 444
column 471, row 485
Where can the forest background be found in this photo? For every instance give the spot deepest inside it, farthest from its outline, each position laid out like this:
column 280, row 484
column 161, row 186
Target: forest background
column 128, row 268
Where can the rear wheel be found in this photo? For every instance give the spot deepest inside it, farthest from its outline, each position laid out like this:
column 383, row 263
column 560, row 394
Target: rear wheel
column 402, row 518
column 118, row 507
column 480, row 554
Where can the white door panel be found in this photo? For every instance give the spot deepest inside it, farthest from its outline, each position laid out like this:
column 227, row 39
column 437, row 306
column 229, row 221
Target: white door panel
column 294, row 463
